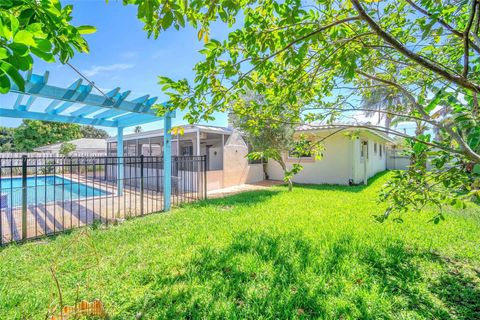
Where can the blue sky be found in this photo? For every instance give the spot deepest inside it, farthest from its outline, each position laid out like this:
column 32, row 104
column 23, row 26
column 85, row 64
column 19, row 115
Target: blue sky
column 122, row 56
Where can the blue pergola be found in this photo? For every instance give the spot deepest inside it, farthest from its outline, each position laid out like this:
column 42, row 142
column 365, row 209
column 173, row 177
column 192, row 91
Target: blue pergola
column 77, row 104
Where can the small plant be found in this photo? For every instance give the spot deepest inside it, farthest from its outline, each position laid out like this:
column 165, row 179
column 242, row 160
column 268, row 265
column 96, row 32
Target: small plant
column 67, row 148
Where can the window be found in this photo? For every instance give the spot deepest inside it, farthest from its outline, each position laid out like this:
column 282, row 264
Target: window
column 130, row 148
column 296, row 154
column 381, row 150
column 144, row 147
column 375, row 148
column 187, row 151
column 364, row 150
column 156, row 146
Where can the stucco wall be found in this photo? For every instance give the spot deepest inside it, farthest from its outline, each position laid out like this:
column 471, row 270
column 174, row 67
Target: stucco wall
column 214, row 180
column 334, row 168
column 236, row 169
column 375, row 162
column 341, row 161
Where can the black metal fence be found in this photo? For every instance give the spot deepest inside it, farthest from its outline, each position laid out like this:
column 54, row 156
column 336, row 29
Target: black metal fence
column 43, row 196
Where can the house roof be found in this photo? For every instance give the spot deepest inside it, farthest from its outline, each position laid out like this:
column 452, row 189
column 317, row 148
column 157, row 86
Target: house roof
column 81, row 144
column 186, row 128
column 330, row 127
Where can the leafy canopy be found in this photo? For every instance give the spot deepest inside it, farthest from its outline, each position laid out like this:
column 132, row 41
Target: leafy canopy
column 38, row 28
column 33, row 133
column 93, row 133
column 311, row 59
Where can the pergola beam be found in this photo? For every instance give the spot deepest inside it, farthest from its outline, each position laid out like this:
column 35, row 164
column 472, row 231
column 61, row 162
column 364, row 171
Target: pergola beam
column 109, row 113
column 10, row 113
column 37, row 86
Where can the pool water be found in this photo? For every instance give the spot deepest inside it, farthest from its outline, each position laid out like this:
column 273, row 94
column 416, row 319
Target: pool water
column 44, row 189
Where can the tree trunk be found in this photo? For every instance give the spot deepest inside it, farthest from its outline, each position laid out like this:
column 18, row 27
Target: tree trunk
column 284, row 168
column 265, row 174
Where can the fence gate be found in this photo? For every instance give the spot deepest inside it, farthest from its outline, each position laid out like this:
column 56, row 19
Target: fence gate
column 43, row 196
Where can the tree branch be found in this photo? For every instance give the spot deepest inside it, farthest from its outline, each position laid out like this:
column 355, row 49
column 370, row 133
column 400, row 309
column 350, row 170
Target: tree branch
column 466, row 39
column 469, row 152
column 444, row 24
column 460, row 81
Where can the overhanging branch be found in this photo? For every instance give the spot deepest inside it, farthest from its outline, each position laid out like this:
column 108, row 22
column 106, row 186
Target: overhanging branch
column 460, row 81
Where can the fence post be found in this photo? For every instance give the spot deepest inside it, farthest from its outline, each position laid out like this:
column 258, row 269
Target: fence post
column 105, row 168
column 24, row 197
column 205, row 191
column 167, row 161
column 141, row 185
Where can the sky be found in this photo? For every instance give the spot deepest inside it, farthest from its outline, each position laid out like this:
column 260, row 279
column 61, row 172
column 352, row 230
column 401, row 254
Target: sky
column 122, row 56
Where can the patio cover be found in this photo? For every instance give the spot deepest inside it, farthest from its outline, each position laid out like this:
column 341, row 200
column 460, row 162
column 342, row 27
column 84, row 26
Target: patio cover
column 77, row 104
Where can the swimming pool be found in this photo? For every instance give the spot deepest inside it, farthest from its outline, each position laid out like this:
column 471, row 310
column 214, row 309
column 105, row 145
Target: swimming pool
column 44, row 189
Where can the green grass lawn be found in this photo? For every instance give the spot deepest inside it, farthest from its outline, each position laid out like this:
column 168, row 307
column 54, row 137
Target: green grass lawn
column 316, row 252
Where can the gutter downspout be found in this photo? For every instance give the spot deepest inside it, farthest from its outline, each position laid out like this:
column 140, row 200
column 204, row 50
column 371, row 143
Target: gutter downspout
column 365, row 162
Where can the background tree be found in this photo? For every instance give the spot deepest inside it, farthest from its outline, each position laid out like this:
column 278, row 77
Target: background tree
column 324, row 52
column 6, row 140
column 67, row 148
column 93, row 133
column 33, row 133
column 269, row 138
column 35, row 28
column 379, row 101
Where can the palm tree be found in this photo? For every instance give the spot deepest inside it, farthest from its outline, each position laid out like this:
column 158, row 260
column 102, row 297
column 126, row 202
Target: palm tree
column 380, row 100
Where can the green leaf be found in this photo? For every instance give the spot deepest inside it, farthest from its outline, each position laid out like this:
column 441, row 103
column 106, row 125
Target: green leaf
column 3, row 53
column 167, row 20
column 86, row 29
column 48, row 57
column 43, row 45
column 434, row 102
column 4, row 84
column 6, row 3
column 24, row 37
column 19, row 49
column 476, row 169
column 22, row 63
column 13, row 74
column 35, row 29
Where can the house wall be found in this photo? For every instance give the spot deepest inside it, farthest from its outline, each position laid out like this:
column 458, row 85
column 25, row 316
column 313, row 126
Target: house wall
column 236, row 169
column 334, row 168
column 371, row 164
column 341, row 163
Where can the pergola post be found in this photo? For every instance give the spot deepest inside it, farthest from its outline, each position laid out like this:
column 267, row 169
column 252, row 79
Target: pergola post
column 120, row 170
column 167, row 161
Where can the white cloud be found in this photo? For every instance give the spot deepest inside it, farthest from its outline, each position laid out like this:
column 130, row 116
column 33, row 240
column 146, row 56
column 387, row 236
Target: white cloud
column 107, row 68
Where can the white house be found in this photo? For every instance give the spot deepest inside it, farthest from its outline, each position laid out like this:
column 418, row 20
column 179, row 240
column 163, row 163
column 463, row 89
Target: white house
column 83, row 146
column 346, row 160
